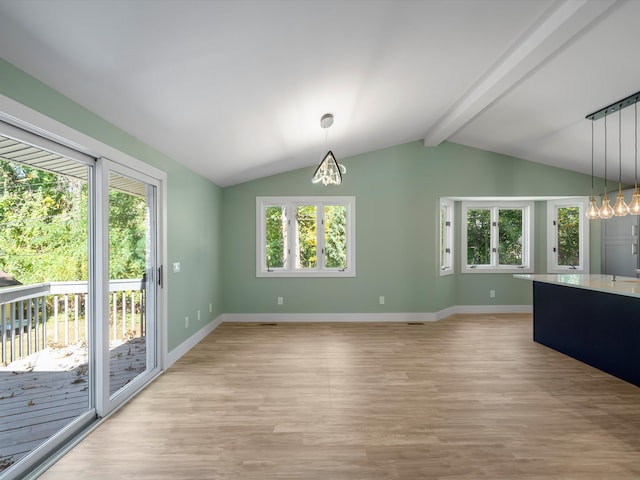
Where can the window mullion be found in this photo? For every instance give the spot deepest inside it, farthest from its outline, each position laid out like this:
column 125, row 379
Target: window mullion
column 556, row 239
column 494, row 237
column 292, row 233
column 320, row 226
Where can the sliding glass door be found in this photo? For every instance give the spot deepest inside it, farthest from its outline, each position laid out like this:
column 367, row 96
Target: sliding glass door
column 46, row 318
column 80, row 287
column 129, row 326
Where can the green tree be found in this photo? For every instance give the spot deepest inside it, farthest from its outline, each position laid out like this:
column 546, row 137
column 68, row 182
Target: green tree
column 44, row 227
column 509, row 241
column 127, row 235
column 335, row 236
column 568, row 236
column 306, row 240
column 479, row 237
column 510, row 237
column 276, row 234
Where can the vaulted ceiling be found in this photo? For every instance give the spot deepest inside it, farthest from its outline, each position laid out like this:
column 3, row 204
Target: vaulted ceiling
column 235, row 89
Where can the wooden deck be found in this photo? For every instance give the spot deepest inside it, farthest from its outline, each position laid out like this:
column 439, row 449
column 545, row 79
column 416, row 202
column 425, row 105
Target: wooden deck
column 35, row 405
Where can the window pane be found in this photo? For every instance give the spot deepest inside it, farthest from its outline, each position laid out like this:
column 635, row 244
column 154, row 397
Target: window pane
column 479, row 237
column 335, row 236
column 510, row 237
column 568, row 236
column 306, row 247
column 276, row 236
column 44, row 254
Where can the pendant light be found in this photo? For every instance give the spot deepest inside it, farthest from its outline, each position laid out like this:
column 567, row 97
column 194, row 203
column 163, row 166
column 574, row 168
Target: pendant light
column 606, row 211
column 592, row 212
column 620, row 209
column 329, row 172
column 634, row 207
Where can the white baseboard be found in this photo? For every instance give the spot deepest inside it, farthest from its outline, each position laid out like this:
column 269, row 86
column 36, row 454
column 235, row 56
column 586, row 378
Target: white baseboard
column 374, row 317
column 489, row 309
column 174, row 355
column 328, row 317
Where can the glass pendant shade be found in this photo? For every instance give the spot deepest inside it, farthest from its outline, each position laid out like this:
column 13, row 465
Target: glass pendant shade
column 605, row 210
column 592, row 212
column 328, row 171
column 634, row 206
column 620, row 209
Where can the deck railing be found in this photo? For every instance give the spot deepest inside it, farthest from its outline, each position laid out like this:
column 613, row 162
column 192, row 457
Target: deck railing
column 34, row 317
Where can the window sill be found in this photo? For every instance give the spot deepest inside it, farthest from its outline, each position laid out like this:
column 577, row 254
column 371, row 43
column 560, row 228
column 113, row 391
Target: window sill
column 349, row 273
column 497, row 270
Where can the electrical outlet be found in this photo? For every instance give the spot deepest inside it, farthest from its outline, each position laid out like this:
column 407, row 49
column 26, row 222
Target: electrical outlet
column 198, row 315
column 176, row 267
column 280, row 300
column 381, row 300
column 492, row 293
column 186, row 322
column 211, row 308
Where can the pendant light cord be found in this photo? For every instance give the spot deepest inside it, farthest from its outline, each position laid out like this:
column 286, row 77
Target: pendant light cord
column 620, row 150
column 592, row 157
column 605, row 154
column 635, row 108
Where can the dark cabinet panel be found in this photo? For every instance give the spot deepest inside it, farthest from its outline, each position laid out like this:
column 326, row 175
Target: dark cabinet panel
column 620, row 244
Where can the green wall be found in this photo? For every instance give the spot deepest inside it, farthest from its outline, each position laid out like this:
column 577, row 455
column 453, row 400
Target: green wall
column 396, row 189
column 397, row 194
column 194, row 205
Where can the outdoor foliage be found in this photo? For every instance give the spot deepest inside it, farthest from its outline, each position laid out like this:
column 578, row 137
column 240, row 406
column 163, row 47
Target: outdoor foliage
column 335, row 240
column 335, row 236
column 43, row 227
column 306, row 240
column 479, row 237
column 276, row 236
column 510, row 223
column 127, row 235
column 568, row 236
column 510, row 237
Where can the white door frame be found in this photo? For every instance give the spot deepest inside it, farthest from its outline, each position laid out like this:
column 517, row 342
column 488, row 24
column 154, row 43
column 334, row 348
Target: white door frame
column 105, row 402
column 26, row 118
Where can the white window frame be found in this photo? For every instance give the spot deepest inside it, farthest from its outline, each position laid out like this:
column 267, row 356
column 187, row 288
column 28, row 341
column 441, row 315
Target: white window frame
column 445, row 237
column 291, row 203
column 552, row 235
column 527, row 237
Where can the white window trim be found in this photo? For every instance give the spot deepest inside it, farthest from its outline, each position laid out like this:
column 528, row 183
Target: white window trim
column 552, row 235
column 448, row 240
column 320, row 271
column 528, row 208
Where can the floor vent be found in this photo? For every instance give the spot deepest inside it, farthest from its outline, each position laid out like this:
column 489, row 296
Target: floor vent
column 268, row 324
column 415, row 323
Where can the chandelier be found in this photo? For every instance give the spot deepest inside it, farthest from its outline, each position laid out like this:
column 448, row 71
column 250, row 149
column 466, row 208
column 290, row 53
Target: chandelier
column 620, row 209
column 329, row 172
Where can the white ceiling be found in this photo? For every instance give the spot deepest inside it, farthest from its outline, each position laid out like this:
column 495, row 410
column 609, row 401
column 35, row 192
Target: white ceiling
column 235, row 89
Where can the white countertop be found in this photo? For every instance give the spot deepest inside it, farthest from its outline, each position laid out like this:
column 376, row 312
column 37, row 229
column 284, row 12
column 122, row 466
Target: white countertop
column 627, row 286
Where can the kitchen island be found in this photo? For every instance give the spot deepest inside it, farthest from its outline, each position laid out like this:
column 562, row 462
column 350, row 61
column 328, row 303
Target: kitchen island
column 592, row 318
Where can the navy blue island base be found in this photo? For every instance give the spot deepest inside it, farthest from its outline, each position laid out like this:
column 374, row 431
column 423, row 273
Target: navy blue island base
column 598, row 328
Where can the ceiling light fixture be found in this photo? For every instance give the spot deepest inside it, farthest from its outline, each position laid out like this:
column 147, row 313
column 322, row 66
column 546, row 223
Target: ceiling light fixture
column 620, row 208
column 329, row 172
column 606, row 211
column 593, row 212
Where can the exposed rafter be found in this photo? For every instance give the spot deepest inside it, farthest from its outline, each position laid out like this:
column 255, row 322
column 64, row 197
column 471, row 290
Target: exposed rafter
column 553, row 31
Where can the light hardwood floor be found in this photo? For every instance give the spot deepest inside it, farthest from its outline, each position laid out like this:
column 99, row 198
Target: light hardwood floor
column 468, row 397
